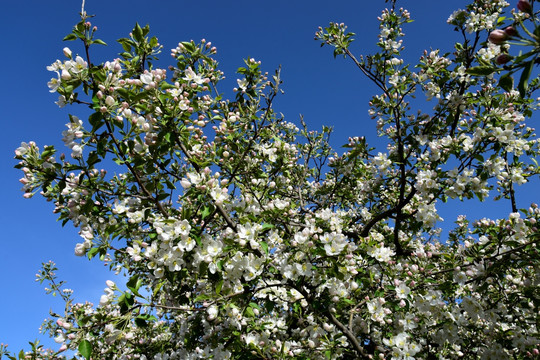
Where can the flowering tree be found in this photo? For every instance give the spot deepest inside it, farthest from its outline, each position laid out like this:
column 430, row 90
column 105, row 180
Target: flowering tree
column 244, row 236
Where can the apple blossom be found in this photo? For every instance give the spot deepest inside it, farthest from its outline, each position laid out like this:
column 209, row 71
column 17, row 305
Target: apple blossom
column 253, row 238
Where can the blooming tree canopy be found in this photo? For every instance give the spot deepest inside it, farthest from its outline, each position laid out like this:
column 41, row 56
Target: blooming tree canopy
column 246, row 236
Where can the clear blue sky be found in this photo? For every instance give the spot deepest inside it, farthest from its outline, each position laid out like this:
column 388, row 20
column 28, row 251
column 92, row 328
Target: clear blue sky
column 324, row 90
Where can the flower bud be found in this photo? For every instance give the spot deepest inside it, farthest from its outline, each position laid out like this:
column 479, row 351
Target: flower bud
column 503, row 59
column 65, row 75
column 511, row 31
column 524, row 6
column 109, row 100
column 80, row 250
column 497, row 37
column 67, row 52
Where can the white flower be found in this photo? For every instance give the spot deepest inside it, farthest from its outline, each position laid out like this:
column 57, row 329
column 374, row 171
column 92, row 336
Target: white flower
column 192, row 76
column 194, row 178
column 183, row 105
column 109, row 101
column 60, row 338
column 213, row 248
column 62, row 101
column 78, row 65
column 218, row 195
column 242, row 84
column 185, row 183
column 381, row 253
column 54, row 83
column 334, row 248
column 251, row 339
column 460, row 277
column 212, row 312
column 147, row 78
column 104, row 300
column 402, row 291
column 80, row 249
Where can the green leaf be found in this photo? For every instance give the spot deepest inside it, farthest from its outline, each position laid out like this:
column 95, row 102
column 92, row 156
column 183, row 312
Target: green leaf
column 146, row 30
column 70, row 37
column 162, row 196
column 479, row 157
column 99, row 41
column 267, row 227
column 506, row 82
column 207, row 210
column 523, row 85
column 137, row 33
column 264, row 246
column 219, row 285
column 134, row 284
column 92, row 252
column 254, row 305
column 93, row 159
column 481, row 70
column 249, row 312
column 95, row 121
column 85, row 349
column 140, row 322
column 128, row 299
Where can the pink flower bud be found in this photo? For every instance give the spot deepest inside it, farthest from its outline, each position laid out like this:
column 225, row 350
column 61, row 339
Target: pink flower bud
column 503, row 59
column 511, row 31
column 524, row 6
column 497, row 37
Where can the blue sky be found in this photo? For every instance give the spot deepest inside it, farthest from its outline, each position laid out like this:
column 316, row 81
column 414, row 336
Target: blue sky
column 323, row 89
